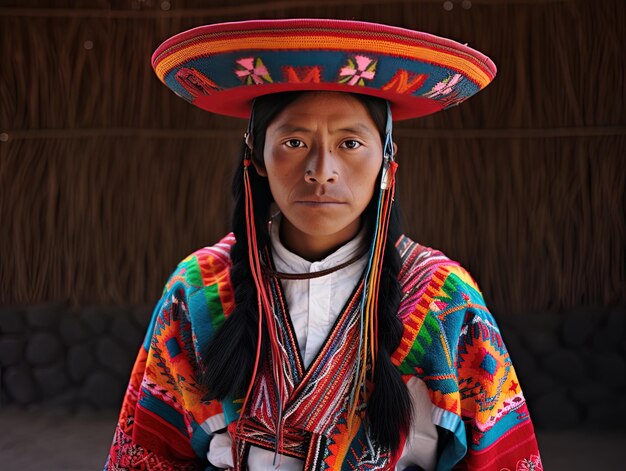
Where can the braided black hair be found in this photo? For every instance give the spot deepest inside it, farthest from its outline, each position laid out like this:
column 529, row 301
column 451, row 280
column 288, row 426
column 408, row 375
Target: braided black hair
column 229, row 357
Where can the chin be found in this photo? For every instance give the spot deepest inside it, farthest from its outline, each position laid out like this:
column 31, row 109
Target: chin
column 327, row 229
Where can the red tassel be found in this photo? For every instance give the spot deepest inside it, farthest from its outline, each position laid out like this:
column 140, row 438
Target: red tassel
column 370, row 315
column 265, row 309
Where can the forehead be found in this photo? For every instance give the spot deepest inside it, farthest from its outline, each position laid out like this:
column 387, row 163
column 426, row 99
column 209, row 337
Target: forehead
column 326, row 106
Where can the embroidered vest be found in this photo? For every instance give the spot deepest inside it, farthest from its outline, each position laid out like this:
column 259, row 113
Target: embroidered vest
column 313, row 425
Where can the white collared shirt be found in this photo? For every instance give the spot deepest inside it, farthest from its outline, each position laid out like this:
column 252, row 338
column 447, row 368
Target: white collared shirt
column 314, row 304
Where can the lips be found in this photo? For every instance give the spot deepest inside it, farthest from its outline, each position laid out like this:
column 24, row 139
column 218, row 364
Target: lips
column 319, row 201
column 316, row 204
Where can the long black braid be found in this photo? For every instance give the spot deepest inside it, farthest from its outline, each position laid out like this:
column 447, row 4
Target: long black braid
column 230, row 356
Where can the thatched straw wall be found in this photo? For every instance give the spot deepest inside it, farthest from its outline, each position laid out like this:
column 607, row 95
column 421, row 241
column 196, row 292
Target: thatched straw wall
column 107, row 179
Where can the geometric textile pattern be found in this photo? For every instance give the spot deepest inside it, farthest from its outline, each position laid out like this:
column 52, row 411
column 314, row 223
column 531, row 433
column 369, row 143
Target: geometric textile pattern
column 450, row 341
column 457, row 349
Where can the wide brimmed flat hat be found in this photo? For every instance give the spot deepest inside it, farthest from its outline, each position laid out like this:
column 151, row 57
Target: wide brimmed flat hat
column 223, row 67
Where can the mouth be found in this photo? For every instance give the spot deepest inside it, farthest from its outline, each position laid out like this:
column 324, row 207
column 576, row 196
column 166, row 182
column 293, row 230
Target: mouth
column 319, row 202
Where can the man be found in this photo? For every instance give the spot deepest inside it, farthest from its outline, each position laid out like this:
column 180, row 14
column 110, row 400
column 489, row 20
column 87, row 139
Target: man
column 316, row 335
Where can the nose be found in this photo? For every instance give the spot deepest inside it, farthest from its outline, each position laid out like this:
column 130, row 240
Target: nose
column 321, row 167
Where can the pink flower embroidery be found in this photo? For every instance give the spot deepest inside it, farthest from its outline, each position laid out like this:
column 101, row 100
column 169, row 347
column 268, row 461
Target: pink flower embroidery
column 533, row 463
column 530, row 464
column 252, row 70
column 358, row 70
column 445, row 87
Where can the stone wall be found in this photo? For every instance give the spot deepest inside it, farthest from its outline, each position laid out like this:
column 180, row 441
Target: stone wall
column 67, row 357
column 571, row 365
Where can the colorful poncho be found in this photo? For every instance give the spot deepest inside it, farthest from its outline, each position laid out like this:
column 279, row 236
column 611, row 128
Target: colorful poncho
column 450, row 341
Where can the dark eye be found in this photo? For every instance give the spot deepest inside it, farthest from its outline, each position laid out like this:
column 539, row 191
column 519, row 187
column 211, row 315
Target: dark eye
column 293, row 143
column 351, row 144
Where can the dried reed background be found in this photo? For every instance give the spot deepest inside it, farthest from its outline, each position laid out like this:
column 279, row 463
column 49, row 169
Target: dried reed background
column 107, row 179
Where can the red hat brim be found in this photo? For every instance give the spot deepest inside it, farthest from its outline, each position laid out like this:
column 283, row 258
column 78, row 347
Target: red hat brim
column 222, row 67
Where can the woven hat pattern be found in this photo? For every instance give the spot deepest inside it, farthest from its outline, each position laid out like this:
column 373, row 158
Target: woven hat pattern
column 222, row 68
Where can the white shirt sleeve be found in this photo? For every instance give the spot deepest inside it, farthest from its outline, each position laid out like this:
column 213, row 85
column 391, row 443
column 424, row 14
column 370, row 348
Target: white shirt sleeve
column 220, row 454
column 421, row 445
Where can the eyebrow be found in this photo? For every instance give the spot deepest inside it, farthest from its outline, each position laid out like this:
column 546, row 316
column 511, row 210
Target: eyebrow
column 288, row 127
column 355, row 128
column 358, row 128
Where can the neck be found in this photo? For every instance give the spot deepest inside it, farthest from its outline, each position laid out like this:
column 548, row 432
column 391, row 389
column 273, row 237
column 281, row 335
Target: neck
column 315, row 247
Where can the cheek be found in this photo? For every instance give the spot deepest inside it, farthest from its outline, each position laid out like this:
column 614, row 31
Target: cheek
column 366, row 176
column 275, row 169
column 281, row 180
column 281, row 177
column 281, row 165
column 368, row 190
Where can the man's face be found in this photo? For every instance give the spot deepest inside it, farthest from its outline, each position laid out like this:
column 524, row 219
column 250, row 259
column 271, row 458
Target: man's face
column 322, row 156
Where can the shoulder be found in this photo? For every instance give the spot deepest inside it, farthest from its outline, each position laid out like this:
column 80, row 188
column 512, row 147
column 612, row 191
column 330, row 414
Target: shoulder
column 427, row 269
column 438, row 298
column 197, row 296
column 204, row 267
column 206, row 277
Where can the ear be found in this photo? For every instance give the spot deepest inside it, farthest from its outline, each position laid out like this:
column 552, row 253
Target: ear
column 259, row 167
column 395, row 148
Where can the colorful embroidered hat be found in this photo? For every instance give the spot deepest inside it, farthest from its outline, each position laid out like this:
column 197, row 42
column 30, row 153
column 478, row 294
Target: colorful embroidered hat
column 222, row 67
